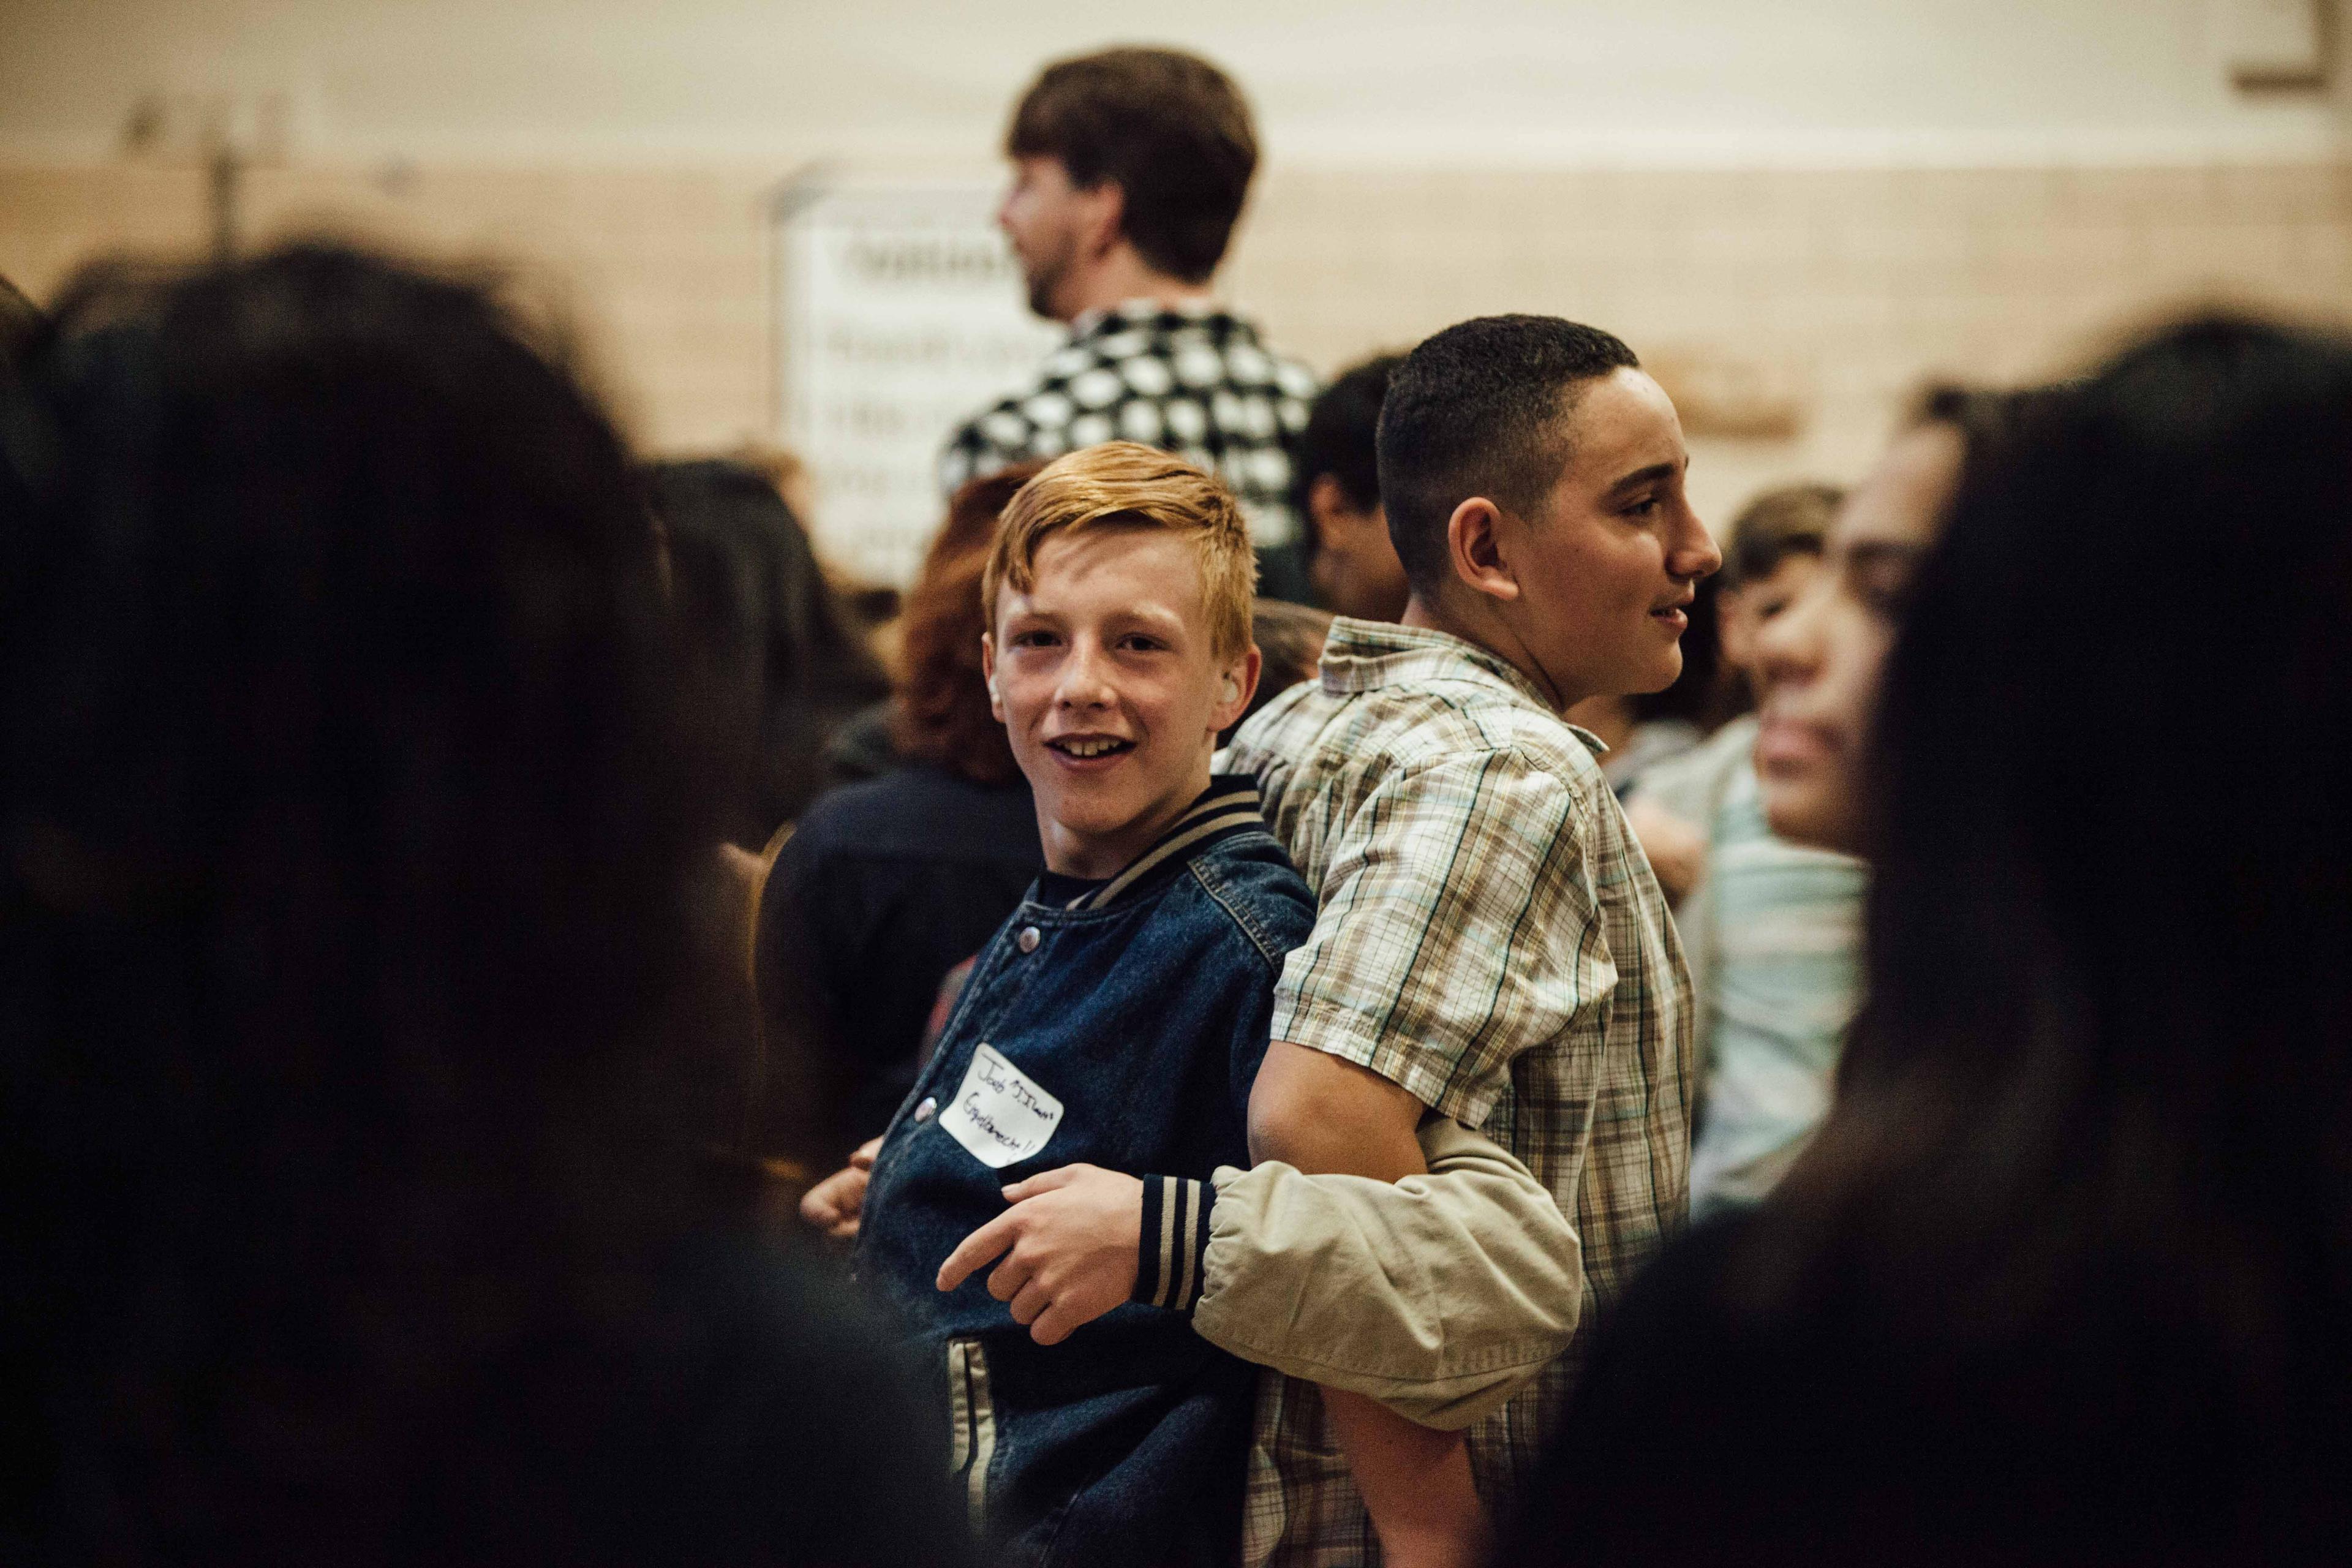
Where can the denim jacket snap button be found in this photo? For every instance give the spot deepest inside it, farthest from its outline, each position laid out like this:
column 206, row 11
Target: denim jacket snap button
column 1028, row 940
column 923, row 1111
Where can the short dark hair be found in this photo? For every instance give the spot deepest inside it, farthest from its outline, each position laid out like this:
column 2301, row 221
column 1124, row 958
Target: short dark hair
column 1341, row 436
column 1784, row 522
column 1477, row 409
column 1170, row 127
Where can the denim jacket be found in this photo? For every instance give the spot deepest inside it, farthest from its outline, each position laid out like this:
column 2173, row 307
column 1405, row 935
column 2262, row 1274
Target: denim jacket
column 1122, row 1029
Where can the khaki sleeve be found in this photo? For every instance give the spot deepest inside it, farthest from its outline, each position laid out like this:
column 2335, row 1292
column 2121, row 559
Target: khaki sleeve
column 1439, row 1296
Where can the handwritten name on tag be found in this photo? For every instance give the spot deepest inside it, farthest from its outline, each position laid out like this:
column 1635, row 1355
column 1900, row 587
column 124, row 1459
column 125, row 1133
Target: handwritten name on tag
column 999, row 1115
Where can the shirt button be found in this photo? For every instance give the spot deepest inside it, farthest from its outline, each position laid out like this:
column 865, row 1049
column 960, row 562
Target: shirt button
column 1028, row 940
column 923, row 1111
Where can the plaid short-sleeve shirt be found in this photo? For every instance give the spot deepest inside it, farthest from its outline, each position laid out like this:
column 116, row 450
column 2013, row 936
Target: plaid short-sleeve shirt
column 1491, row 938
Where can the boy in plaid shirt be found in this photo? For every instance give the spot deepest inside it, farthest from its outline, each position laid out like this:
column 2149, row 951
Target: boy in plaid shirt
column 1491, row 946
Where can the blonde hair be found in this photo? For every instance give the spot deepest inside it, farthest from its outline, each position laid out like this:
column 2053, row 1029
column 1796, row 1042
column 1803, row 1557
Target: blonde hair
column 1123, row 484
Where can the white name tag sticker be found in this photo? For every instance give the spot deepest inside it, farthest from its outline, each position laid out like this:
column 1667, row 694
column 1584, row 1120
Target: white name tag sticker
column 1000, row 1116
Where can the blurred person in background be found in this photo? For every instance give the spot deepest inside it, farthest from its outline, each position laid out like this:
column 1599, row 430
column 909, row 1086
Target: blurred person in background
column 1821, row 659
column 783, row 469
column 1772, row 929
column 2066, row 1276
column 1776, row 557
column 1355, row 563
column 889, row 883
column 1290, row 646
column 353, row 967
column 1129, row 169
column 19, row 319
column 20, row 322
column 775, row 653
column 867, row 745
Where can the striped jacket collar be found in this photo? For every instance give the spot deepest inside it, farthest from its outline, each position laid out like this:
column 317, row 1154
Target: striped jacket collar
column 1229, row 805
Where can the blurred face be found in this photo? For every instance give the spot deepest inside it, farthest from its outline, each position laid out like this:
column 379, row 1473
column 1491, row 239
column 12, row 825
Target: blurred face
column 1821, row 658
column 1356, row 567
column 1605, row 569
column 1746, row 611
column 1048, row 220
column 1103, row 677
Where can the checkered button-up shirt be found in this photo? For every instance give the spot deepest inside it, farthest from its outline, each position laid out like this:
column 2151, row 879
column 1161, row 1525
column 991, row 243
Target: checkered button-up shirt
column 1195, row 381
column 1491, row 938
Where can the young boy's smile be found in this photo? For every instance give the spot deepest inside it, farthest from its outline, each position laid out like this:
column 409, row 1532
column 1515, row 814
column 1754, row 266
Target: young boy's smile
column 1110, row 690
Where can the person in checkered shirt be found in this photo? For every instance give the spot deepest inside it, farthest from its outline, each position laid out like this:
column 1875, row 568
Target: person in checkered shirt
column 1129, row 169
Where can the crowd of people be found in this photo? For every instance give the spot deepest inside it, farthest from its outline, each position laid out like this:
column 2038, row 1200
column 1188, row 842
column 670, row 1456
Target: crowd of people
column 1346, row 983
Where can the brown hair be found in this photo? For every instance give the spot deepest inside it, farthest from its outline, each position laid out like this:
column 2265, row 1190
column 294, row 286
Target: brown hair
column 941, row 716
column 1791, row 519
column 1170, row 129
column 1123, row 484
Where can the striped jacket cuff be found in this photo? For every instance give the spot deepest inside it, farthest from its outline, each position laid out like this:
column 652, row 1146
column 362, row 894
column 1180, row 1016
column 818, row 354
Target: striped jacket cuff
column 1175, row 1242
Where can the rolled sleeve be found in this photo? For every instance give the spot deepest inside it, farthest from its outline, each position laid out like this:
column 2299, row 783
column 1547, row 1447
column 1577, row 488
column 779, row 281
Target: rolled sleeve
column 1458, row 927
column 1439, row 1296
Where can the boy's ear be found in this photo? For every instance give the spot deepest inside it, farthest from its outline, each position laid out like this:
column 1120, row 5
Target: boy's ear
column 988, row 673
column 1474, row 542
column 1240, row 685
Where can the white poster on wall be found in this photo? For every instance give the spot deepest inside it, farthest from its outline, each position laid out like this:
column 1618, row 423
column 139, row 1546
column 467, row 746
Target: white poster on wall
column 901, row 313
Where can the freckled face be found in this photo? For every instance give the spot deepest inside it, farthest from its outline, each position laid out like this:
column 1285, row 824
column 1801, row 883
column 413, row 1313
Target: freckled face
column 1104, row 676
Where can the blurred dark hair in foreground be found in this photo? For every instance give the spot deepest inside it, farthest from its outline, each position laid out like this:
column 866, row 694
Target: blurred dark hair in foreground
column 2111, row 952
column 353, row 969
column 2067, row 1275
column 20, row 319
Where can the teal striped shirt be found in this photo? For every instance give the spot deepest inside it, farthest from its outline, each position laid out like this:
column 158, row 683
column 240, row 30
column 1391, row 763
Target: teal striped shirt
column 1774, row 933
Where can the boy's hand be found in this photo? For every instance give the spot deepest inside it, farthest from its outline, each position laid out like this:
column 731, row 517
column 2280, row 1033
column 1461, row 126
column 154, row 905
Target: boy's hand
column 834, row 1205
column 1070, row 1243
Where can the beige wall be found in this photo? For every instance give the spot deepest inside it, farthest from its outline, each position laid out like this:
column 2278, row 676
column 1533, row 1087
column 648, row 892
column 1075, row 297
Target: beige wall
column 1845, row 289
column 1472, row 83
column 662, row 273
column 1840, row 289
column 1978, row 187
